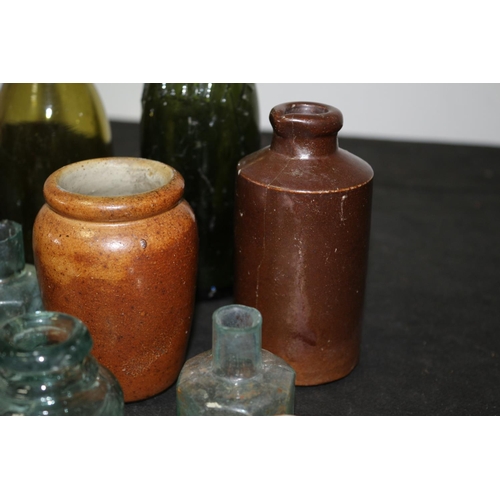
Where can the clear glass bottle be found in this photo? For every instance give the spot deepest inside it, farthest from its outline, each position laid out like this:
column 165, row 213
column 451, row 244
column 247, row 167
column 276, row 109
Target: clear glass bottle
column 46, row 369
column 203, row 130
column 19, row 290
column 236, row 377
column 44, row 126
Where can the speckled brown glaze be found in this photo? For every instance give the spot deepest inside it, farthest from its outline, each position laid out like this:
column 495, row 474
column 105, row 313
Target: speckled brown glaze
column 302, row 223
column 120, row 253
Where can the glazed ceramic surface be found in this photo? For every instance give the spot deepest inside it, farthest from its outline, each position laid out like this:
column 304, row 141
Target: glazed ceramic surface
column 116, row 246
column 302, row 221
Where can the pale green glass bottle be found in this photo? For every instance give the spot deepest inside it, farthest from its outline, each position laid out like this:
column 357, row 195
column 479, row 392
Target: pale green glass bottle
column 237, row 377
column 19, row 290
column 44, row 126
column 46, row 369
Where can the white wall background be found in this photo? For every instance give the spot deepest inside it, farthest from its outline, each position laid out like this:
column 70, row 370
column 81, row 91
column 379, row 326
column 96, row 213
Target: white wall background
column 453, row 113
column 460, row 113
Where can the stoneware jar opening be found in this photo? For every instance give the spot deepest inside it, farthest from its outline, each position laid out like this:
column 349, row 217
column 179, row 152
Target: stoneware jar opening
column 113, row 189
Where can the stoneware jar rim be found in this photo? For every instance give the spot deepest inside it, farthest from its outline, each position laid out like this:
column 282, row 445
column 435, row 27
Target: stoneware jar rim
column 114, row 189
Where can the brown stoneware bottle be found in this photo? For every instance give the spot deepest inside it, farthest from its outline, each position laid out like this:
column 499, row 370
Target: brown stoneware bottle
column 116, row 246
column 302, row 224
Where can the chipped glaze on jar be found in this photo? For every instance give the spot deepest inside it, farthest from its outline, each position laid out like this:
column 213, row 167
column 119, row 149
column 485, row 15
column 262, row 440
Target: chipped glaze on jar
column 302, row 223
column 116, row 246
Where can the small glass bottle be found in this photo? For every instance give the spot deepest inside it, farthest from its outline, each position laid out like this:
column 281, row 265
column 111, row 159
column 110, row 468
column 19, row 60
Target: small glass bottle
column 236, row 377
column 19, row 291
column 46, row 369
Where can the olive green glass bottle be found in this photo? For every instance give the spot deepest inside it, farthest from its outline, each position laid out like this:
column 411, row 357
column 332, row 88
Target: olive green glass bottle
column 203, row 130
column 44, row 126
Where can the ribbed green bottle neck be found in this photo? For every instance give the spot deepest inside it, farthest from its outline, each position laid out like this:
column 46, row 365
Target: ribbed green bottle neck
column 199, row 92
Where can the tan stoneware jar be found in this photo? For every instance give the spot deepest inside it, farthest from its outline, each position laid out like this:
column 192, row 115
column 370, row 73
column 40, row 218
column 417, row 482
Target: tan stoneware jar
column 116, row 246
column 302, row 224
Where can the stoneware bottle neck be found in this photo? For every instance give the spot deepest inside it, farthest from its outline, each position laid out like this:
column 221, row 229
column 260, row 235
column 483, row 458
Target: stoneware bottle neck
column 237, row 341
column 305, row 129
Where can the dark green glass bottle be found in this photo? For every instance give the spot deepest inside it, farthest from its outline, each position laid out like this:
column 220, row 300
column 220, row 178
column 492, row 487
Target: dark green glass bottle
column 203, row 130
column 44, row 126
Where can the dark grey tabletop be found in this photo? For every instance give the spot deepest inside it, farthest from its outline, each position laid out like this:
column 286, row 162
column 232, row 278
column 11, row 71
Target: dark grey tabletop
column 431, row 339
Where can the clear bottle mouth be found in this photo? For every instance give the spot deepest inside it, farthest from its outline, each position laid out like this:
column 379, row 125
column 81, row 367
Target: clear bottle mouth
column 237, row 317
column 43, row 342
column 237, row 332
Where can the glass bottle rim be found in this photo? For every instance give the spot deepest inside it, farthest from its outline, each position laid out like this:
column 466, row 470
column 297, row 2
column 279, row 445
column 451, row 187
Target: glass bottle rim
column 237, row 317
column 43, row 341
column 9, row 229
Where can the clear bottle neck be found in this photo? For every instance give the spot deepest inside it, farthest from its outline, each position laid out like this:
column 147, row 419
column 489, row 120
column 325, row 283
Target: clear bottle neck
column 236, row 341
column 11, row 249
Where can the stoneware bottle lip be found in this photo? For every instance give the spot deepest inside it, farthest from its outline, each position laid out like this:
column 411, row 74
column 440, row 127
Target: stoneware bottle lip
column 113, row 189
column 306, row 118
column 305, row 129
